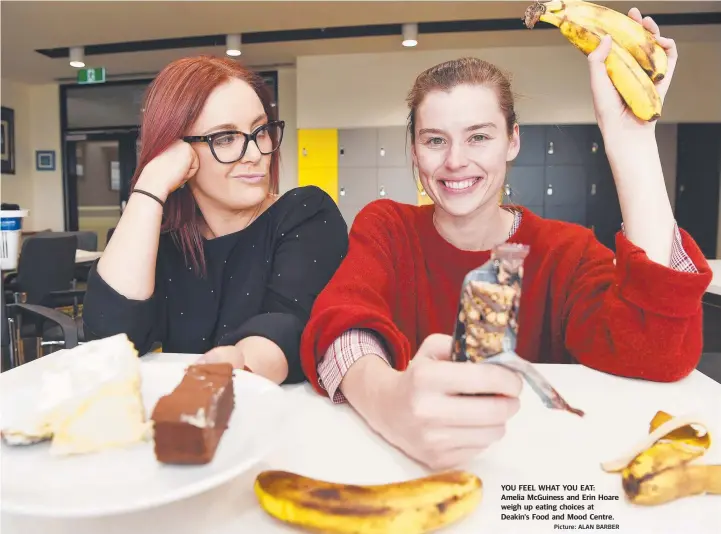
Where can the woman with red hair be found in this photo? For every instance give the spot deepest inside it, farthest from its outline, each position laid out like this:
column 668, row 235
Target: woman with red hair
column 207, row 258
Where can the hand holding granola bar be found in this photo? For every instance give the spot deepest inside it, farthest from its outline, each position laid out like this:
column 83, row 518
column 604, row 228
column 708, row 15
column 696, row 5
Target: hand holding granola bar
column 487, row 322
column 427, row 411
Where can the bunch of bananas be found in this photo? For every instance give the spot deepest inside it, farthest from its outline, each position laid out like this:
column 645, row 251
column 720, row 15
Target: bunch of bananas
column 411, row 507
column 658, row 469
column 636, row 61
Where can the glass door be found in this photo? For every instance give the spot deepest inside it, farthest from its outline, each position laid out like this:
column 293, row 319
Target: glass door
column 100, row 166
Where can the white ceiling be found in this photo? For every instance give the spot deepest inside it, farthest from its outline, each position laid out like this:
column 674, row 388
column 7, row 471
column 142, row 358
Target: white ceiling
column 30, row 25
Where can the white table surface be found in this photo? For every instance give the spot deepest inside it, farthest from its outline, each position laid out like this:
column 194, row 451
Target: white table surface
column 715, row 286
column 541, row 447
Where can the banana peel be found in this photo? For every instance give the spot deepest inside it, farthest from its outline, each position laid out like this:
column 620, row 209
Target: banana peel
column 658, row 470
column 412, row 507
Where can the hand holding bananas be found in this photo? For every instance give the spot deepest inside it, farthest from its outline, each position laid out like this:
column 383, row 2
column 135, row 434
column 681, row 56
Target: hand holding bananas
column 626, row 55
column 422, row 410
column 631, row 64
column 645, row 101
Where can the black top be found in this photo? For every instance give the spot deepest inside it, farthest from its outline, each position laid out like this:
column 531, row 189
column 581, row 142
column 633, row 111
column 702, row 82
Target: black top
column 260, row 281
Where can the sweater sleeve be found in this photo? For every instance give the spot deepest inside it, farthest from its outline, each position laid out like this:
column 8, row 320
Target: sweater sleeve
column 361, row 293
column 312, row 240
column 636, row 319
column 350, row 347
column 106, row 313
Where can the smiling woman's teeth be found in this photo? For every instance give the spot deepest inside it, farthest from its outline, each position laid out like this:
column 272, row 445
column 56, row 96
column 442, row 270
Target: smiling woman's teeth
column 464, row 184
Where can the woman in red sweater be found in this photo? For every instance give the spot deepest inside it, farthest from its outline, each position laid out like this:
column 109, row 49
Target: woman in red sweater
column 394, row 299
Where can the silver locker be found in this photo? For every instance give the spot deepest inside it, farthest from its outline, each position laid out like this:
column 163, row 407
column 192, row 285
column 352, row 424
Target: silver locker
column 393, row 148
column 349, row 214
column 397, row 183
column 357, row 186
column 356, row 147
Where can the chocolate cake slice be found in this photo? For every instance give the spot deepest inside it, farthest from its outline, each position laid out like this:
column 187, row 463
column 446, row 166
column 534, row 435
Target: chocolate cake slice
column 190, row 421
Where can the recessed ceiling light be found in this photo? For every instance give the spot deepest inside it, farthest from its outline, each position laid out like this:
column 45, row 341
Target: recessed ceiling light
column 76, row 57
column 410, row 34
column 232, row 44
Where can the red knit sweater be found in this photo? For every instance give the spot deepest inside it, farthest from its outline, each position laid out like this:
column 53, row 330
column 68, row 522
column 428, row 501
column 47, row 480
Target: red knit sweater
column 402, row 280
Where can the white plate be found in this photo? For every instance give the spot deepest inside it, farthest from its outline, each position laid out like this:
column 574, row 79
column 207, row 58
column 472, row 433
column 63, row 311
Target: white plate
column 124, row 480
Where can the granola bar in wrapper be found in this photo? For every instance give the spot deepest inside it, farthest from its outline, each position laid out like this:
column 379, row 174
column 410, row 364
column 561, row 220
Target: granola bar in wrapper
column 487, row 321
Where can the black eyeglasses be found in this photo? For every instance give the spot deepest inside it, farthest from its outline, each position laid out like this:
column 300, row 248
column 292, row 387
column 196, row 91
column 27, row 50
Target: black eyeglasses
column 229, row 146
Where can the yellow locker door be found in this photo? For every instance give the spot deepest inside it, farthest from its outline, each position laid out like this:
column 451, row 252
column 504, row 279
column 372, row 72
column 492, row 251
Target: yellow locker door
column 324, row 177
column 318, row 159
column 317, row 148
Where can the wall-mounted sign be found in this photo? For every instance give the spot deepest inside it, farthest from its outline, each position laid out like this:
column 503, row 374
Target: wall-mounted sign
column 96, row 75
column 44, row 160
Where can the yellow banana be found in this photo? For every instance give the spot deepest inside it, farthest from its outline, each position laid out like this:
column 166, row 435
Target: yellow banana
column 411, row 507
column 658, row 476
column 632, row 83
column 658, row 470
column 627, row 33
column 675, row 484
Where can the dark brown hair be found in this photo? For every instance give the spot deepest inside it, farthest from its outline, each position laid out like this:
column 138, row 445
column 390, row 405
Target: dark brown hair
column 172, row 104
column 467, row 70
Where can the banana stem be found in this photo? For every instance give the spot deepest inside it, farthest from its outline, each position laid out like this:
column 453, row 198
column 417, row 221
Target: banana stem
column 533, row 14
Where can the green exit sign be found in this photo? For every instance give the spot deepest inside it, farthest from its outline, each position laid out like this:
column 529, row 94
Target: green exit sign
column 91, row 75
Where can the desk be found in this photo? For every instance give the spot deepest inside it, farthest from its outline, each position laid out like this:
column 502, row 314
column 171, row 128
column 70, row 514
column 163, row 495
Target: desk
column 82, row 257
column 541, row 447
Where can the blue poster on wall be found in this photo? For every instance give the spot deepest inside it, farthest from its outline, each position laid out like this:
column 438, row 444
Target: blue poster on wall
column 45, row 160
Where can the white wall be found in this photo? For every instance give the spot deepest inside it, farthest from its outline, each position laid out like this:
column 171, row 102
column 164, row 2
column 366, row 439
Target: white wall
column 37, row 127
column 17, row 188
column 288, row 109
column 45, row 135
column 369, row 90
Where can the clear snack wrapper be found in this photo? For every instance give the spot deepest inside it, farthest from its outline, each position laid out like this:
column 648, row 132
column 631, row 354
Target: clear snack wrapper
column 487, row 320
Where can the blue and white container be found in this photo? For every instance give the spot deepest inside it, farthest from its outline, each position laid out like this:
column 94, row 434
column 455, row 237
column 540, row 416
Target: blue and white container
column 11, row 224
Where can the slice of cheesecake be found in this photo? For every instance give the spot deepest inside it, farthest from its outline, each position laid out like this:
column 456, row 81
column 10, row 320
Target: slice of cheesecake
column 89, row 401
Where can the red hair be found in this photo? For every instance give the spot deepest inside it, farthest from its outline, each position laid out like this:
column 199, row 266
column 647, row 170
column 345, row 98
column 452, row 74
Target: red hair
column 172, row 104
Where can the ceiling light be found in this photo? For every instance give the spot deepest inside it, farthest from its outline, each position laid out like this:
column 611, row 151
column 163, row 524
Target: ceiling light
column 232, row 44
column 76, row 57
column 410, row 34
